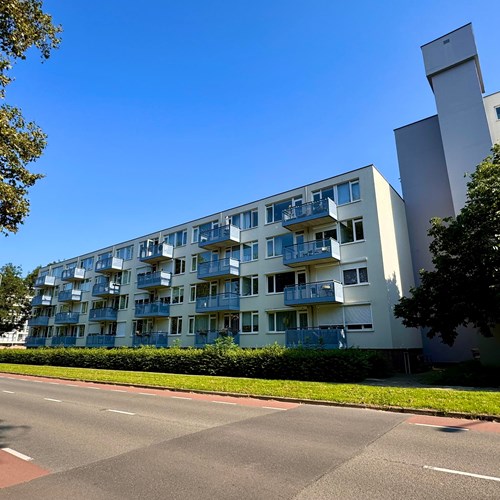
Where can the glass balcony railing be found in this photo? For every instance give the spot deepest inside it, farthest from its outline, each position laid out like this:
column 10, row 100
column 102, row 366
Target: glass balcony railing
column 66, row 318
column 39, row 321
column 70, row 296
column 73, row 274
column 223, row 268
column 312, row 252
column 63, row 341
column 154, row 339
column 219, row 237
column 322, row 338
column 100, row 341
column 109, row 265
column 152, row 310
column 322, row 292
column 309, row 214
column 222, row 302
column 41, row 300
column 157, row 279
column 105, row 290
column 156, row 253
column 104, row 314
column 35, row 341
column 43, row 281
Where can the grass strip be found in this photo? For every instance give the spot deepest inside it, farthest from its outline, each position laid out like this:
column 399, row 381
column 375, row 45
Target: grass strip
column 469, row 402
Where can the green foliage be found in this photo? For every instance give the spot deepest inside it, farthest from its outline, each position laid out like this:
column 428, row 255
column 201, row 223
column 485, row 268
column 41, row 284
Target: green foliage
column 464, row 287
column 466, row 374
column 23, row 25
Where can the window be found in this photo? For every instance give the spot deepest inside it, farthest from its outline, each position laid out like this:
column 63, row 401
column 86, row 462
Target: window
column 196, row 235
column 498, row 112
column 358, row 317
column 352, row 230
column 276, row 244
column 194, row 263
column 198, row 290
column 249, row 219
column 84, row 306
column 57, row 271
column 87, row 263
column 274, row 212
column 180, row 266
column 81, row 330
column 105, row 255
column 123, row 302
column 232, row 252
column 324, row 193
column 276, row 282
column 125, row 253
column 191, row 325
column 326, row 235
column 355, row 276
column 177, row 239
column 204, row 227
column 282, row 320
column 250, row 285
column 123, row 278
column 348, row 192
column 250, row 251
column 176, row 325
column 250, row 322
column 177, row 295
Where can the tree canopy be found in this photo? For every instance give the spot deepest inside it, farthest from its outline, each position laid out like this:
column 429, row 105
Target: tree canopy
column 23, row 25
column 464, row 286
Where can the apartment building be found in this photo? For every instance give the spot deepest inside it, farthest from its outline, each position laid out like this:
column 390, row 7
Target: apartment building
column 322, row 264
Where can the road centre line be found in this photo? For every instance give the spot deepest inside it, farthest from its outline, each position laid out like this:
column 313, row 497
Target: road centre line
column 179, row 397
column 441, row 427
column 461, row 473
column 122, row 412
column 17, row 454
column 72, row 385
column 9, row 392
column 54, row 383
column 274, row 408
column 54, row 400
column 146, row 394
column 223, row 402
column 117, row 390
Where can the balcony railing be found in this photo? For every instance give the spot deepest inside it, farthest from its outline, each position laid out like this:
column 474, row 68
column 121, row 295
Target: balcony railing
column 109, row 265
column 104, row 314
column 317, row 338
column 157, row 279
column 73, row 274
column 35, row 341
column 100, row 341
column 203, row 338
column 70, row 296
column 154, row 339
column 39, row 321
column 41, row 300
column 105, row 290
column 322, row 292
column 223, row 268
column 156, row 253
column 219, row 237
column 43, row 281
column 152, row 310
column 222, row 302
column 67, row 318
column 312, row 252
column 63, row 341
column 308, row 214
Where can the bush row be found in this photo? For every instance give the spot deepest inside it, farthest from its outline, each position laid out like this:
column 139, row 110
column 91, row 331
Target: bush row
column 274, row 362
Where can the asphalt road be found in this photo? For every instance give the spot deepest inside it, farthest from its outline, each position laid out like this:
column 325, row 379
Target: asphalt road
column 91, row 441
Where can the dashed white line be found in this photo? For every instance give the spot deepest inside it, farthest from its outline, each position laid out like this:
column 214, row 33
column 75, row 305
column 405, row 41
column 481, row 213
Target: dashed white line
column 17, row 454
column 274, row 408
column 461, row 473
column 179, row 397
column 223, row 402
column 95, row 388
column 443, row 427
column 9, row 392
column 122, row 412
column 54, row 383
column 72, row 385
column 117, row 390
column 147, row 394
column 53, row 400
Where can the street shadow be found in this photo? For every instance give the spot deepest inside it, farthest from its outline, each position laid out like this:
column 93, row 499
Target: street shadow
column 9, row 432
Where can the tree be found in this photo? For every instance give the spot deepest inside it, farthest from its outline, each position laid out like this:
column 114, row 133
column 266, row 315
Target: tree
column 15, row 295
column 23, row 25
column 464, row 287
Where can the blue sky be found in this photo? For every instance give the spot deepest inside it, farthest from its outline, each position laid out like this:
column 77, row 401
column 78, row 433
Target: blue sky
column 164, row 111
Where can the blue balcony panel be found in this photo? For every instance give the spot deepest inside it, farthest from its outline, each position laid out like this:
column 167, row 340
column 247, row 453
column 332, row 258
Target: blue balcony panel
column 70, row 296
column 104, row 314
column 109, row 265
column 39, row 321
column 310, row 214
column 158, row 279
column 100, row 341
column 223, row 268
column 43, row 281
column 209, row 337
column 154, row 339
column 316, row 338
column 311, row 253
column 105, row 290
column 221, row 302
column 152, row 310
column 322, row 292
column 63, row 341
column 73, row 274
column 219, row 237
column 67, row 318
column 41, row 300
column 35, row 341
column 152, row 254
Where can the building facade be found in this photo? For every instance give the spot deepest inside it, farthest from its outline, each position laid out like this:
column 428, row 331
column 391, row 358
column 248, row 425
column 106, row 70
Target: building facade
column 321, row 264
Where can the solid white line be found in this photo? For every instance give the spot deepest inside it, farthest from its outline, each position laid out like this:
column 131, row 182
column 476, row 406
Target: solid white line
column 442, row 427
column 17, row 454
column 123, row 412
column 274, row 408
column 460, row 473
column 147, row 394
column 9, row 392
column 223, row 402
column 179, row 397
column 54, row 400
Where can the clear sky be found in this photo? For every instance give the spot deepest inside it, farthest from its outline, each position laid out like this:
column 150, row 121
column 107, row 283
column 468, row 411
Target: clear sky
column 162, row 111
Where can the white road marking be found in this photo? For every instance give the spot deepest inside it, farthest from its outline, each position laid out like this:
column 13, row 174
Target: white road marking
column 17, row 454
column 72, row 385
column 442, row 427
column 95, row 388
column 54, row 400
column 54, row 383
column 274, row 408
column 179, row 397
column 461, row 473
column 117, row 390
column 223, row 402
column 147, row 394
column 122, row 412
column 9, row 392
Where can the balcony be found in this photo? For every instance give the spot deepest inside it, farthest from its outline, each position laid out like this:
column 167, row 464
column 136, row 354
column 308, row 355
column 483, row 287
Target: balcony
column 105, row 290
column 70, row 296
column 222, row 302
column 43, row 281
column 219, row 237
column 154, row 339
column 310, row 214
column 152, row 310
column 157, row 279
column 312, row 252
column 39, row 321
column 152, row 254
column 35, row 341
column 109, row 265
column 322, row 338
column 67, row 318
column 104, row 314
column 223, row 268
column 209, row 337
column 100, row 341
column 322, row 292
column 73, row 274
column 41, row 300
column 63, row 341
